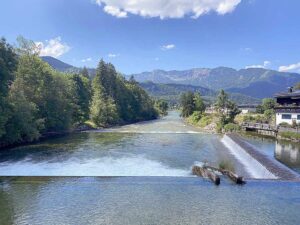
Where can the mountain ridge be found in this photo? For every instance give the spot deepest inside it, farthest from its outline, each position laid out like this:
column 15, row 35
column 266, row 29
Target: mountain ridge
column 253, row 82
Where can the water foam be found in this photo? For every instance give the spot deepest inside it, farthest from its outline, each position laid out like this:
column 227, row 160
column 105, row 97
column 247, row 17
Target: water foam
column 106, row 166
column 253, row 167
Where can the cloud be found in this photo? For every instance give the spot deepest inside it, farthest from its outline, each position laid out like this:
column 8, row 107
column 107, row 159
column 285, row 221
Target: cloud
column 53, row 47
column 112, row 55
column 167, row 8
column 292, row 67
column 156, row 59
column 87, row 60
column 168, row 47
column 265, row 65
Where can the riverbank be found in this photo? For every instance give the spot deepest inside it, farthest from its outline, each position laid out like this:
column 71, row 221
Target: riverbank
column 51, row 135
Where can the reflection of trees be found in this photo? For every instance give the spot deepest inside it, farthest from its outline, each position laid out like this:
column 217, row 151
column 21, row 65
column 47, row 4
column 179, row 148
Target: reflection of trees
column 45, row 150
column 6, row 206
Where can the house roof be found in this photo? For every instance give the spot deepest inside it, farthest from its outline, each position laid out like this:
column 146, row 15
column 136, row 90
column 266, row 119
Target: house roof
column 288, row 94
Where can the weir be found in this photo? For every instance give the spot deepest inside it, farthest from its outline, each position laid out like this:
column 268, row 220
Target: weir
column 258, row 165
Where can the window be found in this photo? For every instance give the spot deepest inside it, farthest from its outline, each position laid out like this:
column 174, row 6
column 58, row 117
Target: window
column 286, row 116
column 298, row 117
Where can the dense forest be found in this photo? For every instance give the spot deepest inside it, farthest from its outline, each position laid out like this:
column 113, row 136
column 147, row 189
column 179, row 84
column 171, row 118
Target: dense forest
column 36, row 100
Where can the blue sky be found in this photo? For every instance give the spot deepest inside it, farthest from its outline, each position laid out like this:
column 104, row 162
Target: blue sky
column 144, row 36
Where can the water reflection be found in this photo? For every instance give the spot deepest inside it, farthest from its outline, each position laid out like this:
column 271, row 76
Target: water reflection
column 146, row 201
column 288, row 153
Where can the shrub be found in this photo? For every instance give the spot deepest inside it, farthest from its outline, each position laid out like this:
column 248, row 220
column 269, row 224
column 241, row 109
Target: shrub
column 290, row 135
column 205, row 120
column 231, row 127
column 195, row 117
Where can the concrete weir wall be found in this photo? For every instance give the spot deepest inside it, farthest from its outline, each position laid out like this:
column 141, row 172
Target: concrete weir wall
column 258, row 165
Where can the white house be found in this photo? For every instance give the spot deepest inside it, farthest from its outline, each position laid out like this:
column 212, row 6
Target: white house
column 288, row 109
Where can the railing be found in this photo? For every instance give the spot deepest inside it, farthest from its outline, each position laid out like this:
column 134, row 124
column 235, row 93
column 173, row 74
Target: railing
column 268, row 127
column 259, row 126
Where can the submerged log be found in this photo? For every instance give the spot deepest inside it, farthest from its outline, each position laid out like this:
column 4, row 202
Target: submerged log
column 232, row 176
column 204, row 172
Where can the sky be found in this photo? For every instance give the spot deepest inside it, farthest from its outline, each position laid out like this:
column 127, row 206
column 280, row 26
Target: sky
column 143, row 35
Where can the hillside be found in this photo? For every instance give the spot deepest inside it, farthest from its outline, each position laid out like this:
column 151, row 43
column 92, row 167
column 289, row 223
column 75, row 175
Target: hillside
column 64, row 67
column 255, row 82
column 172, row 92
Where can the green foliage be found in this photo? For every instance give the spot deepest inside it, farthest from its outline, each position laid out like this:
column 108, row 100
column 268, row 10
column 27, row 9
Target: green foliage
column 80, row 95
column 195, row 117
column 205, row 120
column 191, row 102
column 116, row 100
column 290, row 135
column 36, row 100
column 8, row 63
column 268, row 104
column 231, row 127
column 84, row 72
column 162, row 107
column 227, row 109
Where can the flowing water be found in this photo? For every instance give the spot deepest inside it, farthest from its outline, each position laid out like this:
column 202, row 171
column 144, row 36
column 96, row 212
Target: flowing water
column 161, row 153
column 165, row 147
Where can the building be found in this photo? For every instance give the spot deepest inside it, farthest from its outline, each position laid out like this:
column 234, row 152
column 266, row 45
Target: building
column 288, row 107
column 247, row 108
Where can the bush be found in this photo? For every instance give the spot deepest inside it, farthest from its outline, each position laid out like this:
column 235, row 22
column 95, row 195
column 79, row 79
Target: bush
column 231, row 127
column 205, row 120
column 285, row 124
column 290, row 135
column 195, row 117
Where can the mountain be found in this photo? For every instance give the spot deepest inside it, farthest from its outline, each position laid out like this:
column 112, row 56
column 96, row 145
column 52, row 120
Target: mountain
column 172, row 92
column 64, row 67
column 255, row 82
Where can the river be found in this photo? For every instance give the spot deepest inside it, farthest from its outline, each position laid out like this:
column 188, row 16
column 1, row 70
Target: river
column 138, row 174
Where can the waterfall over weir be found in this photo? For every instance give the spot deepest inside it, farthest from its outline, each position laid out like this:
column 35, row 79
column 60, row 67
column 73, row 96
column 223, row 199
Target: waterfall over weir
column 258, row 165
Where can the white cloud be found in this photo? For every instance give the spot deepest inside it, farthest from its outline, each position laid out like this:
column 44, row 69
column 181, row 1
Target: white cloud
column 112, row 55
column 87, row 60
column 53, row 47
column 167, row 8
column 168, row 47
column 292, row 67
column 265, row 65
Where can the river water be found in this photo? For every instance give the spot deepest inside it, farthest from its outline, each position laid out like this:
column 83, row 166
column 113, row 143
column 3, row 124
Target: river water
column 139, row 174
column 164, row 147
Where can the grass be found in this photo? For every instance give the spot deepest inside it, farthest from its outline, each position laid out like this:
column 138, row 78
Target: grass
column 290, row 135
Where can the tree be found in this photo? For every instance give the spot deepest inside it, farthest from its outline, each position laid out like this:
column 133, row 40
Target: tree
column 162, row 106
column 22, row 124
column 80, row 89
column 227, row 109
column 199, row 104
column 8, row 64
column 84, row 72
column 187, row 104
column 268, row 103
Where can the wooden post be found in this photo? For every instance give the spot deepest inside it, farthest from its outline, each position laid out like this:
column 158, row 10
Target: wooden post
column 232, row 176
column 204, row 172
